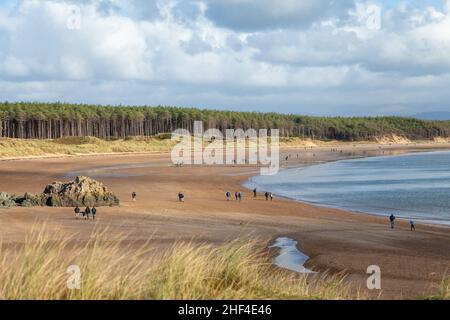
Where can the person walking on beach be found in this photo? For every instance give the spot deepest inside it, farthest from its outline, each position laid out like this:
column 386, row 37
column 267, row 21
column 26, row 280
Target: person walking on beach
column 228, row 194
column 392, row 221
column 254, row 193
column 267, row 196
column 77, row 212
column 236, row 196
column 133, row 196
column 271, row 196
column 87, row 212
column 412, row 224
column 94, row 212
column 240, row 196
column 181, row 197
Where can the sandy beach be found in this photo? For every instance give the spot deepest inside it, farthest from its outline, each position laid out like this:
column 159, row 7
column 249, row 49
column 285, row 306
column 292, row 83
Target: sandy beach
column 412, row 263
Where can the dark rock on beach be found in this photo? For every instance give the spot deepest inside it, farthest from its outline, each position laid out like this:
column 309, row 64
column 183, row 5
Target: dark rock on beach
column 6, row 200
column 83, row 191
column 30, row 200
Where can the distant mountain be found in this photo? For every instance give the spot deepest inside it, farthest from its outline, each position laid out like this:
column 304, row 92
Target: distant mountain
column 436, row 115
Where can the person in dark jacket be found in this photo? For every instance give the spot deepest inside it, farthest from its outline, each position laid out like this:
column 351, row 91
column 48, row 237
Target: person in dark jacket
column 254, row 193
column 87, row 212
column 77, row 212
column 392, row 220
column 94, row 212
column 412, row 225
column 133, row 196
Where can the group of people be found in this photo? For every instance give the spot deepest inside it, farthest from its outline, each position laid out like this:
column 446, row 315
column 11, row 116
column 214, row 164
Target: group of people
column 267, row 195
column 392, row 219
column 237, row 195
column 86, row 213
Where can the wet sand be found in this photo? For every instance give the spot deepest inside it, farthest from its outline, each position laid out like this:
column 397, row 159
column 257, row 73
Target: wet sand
column 412, row 263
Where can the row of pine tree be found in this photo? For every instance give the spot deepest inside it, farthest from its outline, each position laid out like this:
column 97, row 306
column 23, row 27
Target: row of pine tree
column 56, row 120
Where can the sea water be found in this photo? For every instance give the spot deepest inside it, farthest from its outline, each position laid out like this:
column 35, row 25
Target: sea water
column 412, row 186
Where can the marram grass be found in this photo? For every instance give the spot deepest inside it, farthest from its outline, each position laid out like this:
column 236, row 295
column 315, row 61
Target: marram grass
column 10, row 148
column 443, row 290
column 114, row 269
column 17, row 148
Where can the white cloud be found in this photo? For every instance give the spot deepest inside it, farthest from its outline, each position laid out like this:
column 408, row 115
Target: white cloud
column 295, row 56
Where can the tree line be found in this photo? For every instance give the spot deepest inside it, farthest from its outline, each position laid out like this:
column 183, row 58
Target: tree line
column 56, row 120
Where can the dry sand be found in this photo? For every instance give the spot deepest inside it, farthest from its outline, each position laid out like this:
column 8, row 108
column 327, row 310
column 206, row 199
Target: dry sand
column 412, row 263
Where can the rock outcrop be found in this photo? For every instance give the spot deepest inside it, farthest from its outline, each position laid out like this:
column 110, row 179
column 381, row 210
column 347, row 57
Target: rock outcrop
column 30, row 200
column 82, row 191
column 6, row 200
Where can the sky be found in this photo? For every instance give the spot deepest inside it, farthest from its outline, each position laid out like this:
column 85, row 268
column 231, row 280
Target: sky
column 314, row 57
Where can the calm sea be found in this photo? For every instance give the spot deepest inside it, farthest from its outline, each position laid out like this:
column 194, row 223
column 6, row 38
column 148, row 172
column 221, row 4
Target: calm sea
column 413, row 186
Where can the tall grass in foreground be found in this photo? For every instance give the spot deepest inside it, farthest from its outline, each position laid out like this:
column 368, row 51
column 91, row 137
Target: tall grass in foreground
column 110, row 269
column 444, row 290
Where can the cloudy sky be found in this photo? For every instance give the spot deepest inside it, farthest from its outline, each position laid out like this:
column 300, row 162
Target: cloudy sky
column 323, row 57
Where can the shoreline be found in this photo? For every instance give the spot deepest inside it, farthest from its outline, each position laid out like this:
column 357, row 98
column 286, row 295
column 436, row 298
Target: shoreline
column 247, row 183
column 393, row 149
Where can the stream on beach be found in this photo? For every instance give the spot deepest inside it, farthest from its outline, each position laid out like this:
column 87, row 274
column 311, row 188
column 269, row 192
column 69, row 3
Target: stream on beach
column 289, row 257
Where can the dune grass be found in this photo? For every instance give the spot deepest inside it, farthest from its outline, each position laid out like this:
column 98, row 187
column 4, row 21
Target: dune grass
column 443, row 292
column 12, row 148
column 80, row 145
column 37, row 269
column 17, row 148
